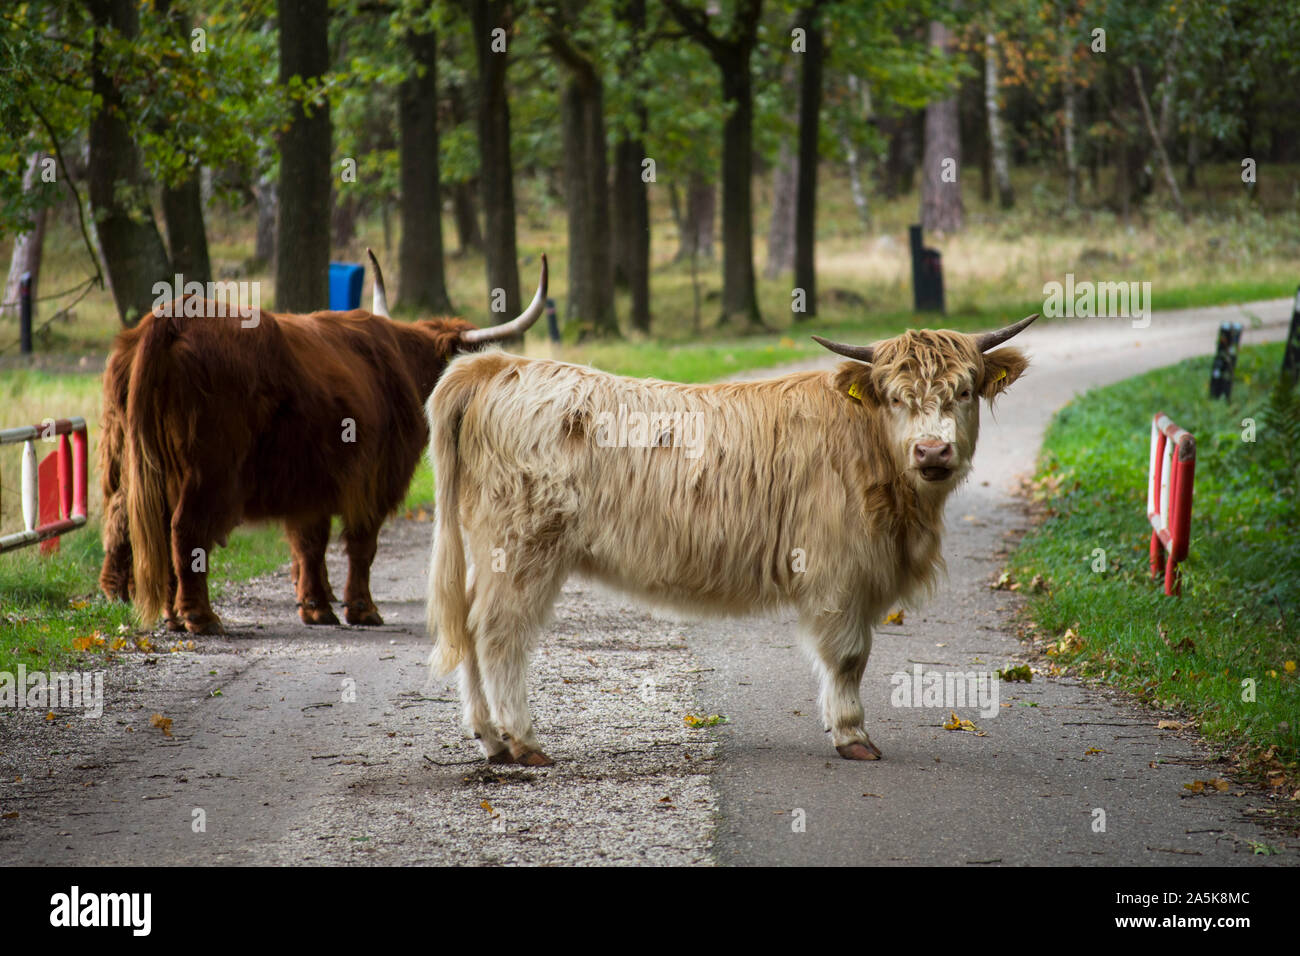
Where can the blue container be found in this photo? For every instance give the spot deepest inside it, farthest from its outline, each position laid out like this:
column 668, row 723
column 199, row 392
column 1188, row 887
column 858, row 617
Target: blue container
column 346, row 279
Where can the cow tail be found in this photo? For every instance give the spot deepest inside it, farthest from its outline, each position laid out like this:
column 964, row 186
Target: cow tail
column 448, row 607
column 146, row 480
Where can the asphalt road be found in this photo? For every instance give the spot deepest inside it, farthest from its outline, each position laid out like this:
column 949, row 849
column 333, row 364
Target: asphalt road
column 1029, row 791
column 290, row 744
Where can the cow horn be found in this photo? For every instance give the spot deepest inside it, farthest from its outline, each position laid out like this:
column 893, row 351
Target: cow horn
column 379, row 304
column 508, row 330
column 991, row 340
column 860, row 352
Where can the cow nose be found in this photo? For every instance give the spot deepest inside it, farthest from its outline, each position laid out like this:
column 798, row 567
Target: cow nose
column 930, row 454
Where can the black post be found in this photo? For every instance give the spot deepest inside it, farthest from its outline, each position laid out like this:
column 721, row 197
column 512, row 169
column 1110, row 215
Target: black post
column 1225, row 360
column 1291, row 357
column 25, row 313
column 927, row 275
column 552, row 323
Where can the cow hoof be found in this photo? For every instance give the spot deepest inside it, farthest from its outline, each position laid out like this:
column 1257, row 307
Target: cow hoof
column 368, row 617
column 322, row 614
column 534, row 758
column 859, row 751
column 210, row 624
column 501, row 756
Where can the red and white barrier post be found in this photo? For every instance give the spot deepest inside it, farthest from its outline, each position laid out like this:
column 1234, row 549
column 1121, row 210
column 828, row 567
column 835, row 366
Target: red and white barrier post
column 54, row 493
column 1169, row 498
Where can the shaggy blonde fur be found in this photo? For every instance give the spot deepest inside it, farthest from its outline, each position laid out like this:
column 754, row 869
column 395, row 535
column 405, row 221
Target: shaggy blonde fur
column 794, row 491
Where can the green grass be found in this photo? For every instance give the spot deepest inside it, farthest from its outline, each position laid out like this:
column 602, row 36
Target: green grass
column 1238, row 620
column 46, row 603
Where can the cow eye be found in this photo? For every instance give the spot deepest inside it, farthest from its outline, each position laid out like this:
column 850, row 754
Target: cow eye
column 965, row 395
column 896, row 402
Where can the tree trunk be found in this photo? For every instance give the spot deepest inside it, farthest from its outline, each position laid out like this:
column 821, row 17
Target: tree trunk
column 697, row 226
column 132, row 248
column 997, row 143
column 182, row 204
column 941, row 203
column 853, row 154
column 302, row 234
column 780, row 233
column 187, row 237
column 423, row 279
column 631, row 221
column 343, row 222
column 739, row 296
column 900, row 159
column 805, row 216
column 1071, row 153
column 591, row 277
column 496, row 173
column 469, row 236
column 266, row 193
column 1159, row 145
column 29, row 245
column 630, row 206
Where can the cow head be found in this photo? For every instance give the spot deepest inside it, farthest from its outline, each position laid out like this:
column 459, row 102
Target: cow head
column 926, row 387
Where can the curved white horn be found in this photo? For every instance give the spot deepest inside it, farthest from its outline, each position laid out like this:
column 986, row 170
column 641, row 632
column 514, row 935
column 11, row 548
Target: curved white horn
column 495, row 333
column 991, row 340
column 379, row 303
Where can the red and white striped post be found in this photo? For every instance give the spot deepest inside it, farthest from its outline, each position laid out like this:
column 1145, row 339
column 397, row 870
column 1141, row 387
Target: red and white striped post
column 1170, row 479
column 58, row 502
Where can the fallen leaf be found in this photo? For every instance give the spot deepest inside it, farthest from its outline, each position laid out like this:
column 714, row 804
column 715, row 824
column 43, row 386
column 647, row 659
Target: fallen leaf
column 486, row 806
column 956, row 723
column 696, row 721
column 162, row 723
column 1170, row 725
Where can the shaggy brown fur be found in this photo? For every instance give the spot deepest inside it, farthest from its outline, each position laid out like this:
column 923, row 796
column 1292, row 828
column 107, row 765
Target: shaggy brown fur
column 207, row 424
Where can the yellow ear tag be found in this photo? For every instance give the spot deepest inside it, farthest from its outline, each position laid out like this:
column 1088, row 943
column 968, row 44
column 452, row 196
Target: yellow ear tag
column 1001, row 375
column 855, row 391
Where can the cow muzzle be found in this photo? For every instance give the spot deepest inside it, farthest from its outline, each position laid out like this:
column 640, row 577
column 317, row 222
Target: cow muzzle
column 933, row 459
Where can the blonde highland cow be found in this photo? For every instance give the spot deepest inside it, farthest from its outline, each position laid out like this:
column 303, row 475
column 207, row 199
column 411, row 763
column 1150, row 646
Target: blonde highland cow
column 823, row 491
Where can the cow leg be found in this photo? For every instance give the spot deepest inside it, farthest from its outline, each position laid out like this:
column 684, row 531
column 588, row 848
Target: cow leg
column 115, row 578
column 360, row 605
column 308, row 539
column 842, row 646
column 293, row 579
column 477, row 714
column 172, row 618
column 506, row 615
column 191, row 529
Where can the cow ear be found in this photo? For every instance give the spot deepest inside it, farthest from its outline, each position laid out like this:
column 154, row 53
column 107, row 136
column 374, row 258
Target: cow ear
column 1001, row 368
column 853, row 381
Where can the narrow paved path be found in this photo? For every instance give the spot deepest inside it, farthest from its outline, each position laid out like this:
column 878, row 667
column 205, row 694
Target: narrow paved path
column 328, row 745
column 1028, row 791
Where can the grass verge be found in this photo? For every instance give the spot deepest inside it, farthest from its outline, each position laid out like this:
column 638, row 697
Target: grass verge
column 1226, row 651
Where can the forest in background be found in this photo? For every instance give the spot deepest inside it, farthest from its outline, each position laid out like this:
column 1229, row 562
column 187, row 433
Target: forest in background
column 633, row 134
